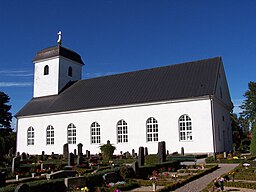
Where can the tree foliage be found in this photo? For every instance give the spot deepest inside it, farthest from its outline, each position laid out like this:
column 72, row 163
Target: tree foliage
column 253, row 141
column 240, row 132
column 5, row 115
column 249, row 104
column 107, row 150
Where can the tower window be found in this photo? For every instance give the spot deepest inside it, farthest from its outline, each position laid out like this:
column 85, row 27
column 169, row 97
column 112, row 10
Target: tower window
column 70, row 71
column 46, row 70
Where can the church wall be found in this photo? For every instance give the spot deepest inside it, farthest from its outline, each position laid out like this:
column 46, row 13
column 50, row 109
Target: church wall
column 167, row 116
column 41, row 88
column 64, row 78
column 223, row 129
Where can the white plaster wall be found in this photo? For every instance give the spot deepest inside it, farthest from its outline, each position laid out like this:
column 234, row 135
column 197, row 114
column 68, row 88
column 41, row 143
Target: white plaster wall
column 76, row 72
column 46, row 84
column 167, row 116
column 223, row 128
column 55, row 81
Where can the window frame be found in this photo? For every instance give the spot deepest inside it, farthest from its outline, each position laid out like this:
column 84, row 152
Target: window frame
column 46, row 70
column 50, row 135
column 122, row 131
column 152, row 134
column 185, row 128
column 71, row 138
column 30, row 136
column 95, row 133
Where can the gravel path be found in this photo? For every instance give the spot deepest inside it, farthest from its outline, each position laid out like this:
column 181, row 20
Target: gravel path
column 202, row 182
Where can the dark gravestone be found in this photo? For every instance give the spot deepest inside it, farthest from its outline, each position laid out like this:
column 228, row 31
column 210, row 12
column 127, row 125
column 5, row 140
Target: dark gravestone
column 108, row 142
column 146, row 151
column 127, row 155
column 17, row 154
column 133, row 153
column 80, row 149
column 111, row 177
column 65, row 151
column 23, row 156
column 15, row 164
column 161, row 152
column 2, row 179
column 141, row 157
column 182, row 151
column 42, row 156
column 71, row 159
column 135, row 167
column 22, row 188
column 167, row 152
column 75, row 152
column 88, row 154
column 79, row 160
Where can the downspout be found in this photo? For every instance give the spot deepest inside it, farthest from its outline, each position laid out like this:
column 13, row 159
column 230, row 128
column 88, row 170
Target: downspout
column 213, row 125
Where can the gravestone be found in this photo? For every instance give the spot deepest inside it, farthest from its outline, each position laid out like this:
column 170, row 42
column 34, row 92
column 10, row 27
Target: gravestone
column 75, row 152
column 141, row 157
column 23, row 187
column 15, row 164
column 65, row 151
column 42, row 156
column 88, row 154
column 127, row 155
column 182, row 151
column 133, row 153
column 225, row 155
column 135, row 167
column 79, row 160
column 167, row 152
column 52, row 155
column 71, row 159
column 2, row 179
column 161, row 152
column 17, row 154
column 80, row 149
column 146, row 151
column 111, row 177
column 23, row 156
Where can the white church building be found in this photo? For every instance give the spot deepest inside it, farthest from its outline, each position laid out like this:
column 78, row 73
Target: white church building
column 186, row 105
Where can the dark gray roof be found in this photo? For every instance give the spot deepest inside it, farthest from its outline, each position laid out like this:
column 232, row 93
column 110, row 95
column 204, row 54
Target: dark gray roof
column 58, row 51
column 187, row 80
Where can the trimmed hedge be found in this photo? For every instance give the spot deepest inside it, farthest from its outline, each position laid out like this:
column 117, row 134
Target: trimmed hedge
column 241, row 185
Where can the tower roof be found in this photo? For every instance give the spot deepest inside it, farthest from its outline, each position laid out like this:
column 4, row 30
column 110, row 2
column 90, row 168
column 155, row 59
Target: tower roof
column 58, row 51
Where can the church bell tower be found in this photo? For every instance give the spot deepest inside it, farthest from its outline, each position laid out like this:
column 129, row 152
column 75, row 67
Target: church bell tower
column 54, row 68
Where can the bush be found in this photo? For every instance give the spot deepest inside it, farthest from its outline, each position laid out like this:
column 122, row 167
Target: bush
column 126, row 172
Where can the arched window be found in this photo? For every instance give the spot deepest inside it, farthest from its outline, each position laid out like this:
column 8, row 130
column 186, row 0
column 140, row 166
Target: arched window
column 95, row 133
column 50, row 135
column 185, row 128
column 70, row 71
column 71, row 134
column 30, row 136
column 46, row 70
column 152, row 129
column 122, row 132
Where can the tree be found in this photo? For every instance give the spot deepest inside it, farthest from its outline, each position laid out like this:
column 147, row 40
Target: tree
column 5, row 115
column 107, row 150
column 249, row 105
column 253, row 141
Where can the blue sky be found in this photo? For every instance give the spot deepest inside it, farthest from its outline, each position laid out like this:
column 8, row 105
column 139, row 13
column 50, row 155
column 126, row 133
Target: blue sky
column 115, row 36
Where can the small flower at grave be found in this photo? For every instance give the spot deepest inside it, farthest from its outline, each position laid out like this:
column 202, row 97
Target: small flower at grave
column 235, row 157
column 174, row 176
column 117, row 190
column 85, row 189
column 246, row 165
column 166, row 174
